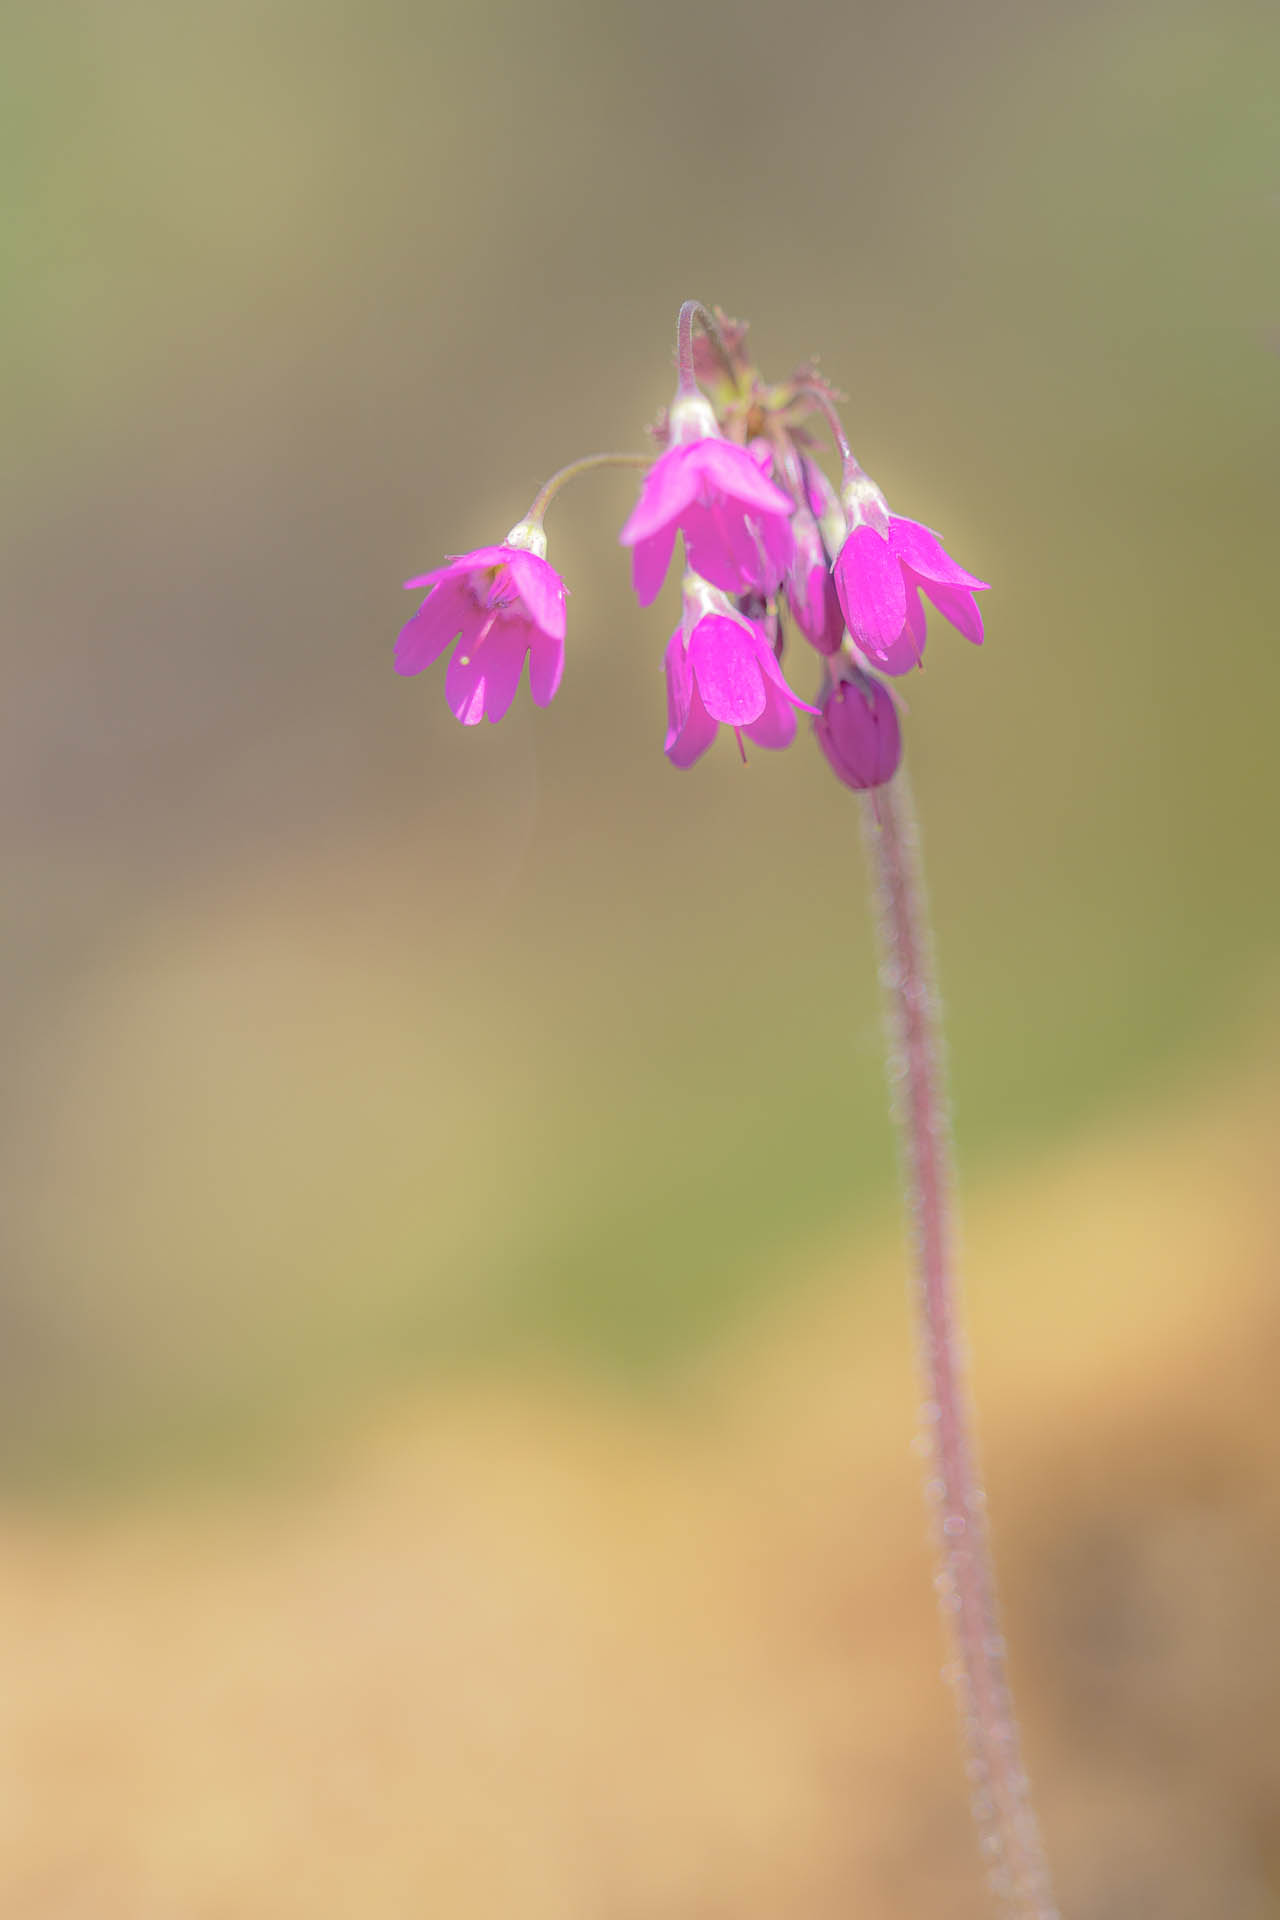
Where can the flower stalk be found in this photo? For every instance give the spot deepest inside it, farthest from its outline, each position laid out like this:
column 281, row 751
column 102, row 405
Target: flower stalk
column 589, row 463
column 692, row 314
column 1007, row 1827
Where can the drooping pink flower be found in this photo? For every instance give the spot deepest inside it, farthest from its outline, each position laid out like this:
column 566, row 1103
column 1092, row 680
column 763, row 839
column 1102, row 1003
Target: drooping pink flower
column 735, row 521
column 811, row 587
column 505, row 602
column 880, row 576
column 721, row 671
column 858, row 731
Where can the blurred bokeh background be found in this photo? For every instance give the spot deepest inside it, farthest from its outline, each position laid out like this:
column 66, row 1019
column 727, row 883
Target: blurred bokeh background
column 455, row 1389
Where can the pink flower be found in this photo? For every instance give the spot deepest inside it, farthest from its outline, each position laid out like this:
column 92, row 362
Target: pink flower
column 735, row 521
column 879, row 578
column 721, row 670
column 858, row 731
column 811, row 587
column 505, row 602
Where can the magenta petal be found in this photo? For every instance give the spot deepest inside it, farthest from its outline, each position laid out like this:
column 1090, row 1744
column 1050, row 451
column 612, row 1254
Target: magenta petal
column 546, row 666
column 723, row 660
column 806, row 596
column 542, row 591
column 696, row 734
column 907, row 650
column 873, row 595
column 724, row 467
column 904, row 656
column 649, row 563
column 778, row 543
column 482, row 677
column 446, row 609
column 478, row 559
column 506, row 648
column 818, row 490
column 959, row 607
column 833, row 632
column 917, row 621
column 776, row 726
column 737, row 553
column 464, row 563
column 464, row 689
column 921, row 550
column 679, row 685
column 669, row 486
column 720, row 547
column 774, row 677
column 429, row 579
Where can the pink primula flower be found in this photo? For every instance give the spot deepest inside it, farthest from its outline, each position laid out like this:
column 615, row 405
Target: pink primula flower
column 811, row 587
column 880, row 576
column 735, row 521
column 721, row 671
column 505, row 602
column 858, row 731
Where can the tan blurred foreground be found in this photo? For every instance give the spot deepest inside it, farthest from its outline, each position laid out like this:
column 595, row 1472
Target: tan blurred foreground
column 536, row 1654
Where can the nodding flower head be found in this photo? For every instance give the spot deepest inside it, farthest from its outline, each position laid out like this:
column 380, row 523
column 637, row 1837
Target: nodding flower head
column 879, row 578
column 504, row 602
column 857, row 729
column 722, row 671
column 736, row 523
column 769, row 546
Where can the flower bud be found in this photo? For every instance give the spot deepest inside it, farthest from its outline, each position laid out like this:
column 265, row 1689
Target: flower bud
column 858, row 731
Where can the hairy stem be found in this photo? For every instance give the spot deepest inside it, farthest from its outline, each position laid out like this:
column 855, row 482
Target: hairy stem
column 1002, row 1805
column 694, row 313
column 588, row 464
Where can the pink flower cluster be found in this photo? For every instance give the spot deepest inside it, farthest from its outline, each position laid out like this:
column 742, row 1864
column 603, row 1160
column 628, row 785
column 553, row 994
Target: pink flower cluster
column 768, row 542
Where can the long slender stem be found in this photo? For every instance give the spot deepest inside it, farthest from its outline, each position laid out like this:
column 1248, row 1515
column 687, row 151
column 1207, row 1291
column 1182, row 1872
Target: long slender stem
column 547, row 492
column 966, row 1582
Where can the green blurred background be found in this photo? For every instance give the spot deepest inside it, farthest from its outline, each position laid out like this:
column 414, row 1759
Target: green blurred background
column 352, row 1056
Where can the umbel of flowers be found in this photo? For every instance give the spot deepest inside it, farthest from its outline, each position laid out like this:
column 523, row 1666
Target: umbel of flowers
column 769, row 546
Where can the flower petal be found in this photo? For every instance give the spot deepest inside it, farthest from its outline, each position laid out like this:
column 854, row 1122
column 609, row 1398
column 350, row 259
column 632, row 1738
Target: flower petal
column 696, row 730
column 716, row 547
column 958, row 606
column 679, row 685
column 774, row 677
column 669, row 486
column 724, row 665
column 447, row 610
column 546, row 665
column 921, row 550
column 873, row 595
column 724, row 467
column 720, row 547
column 776, row 726
column 649, row 562
column 541, row 589
column 777, row 543
column 819, row 493
column 907, row 650
column 483, row 673
column 464, row 563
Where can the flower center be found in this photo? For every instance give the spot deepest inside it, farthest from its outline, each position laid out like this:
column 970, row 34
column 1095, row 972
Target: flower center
column 493, row 589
